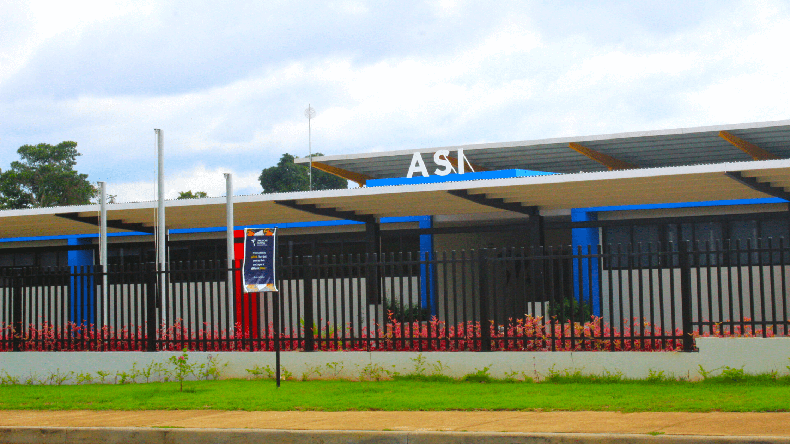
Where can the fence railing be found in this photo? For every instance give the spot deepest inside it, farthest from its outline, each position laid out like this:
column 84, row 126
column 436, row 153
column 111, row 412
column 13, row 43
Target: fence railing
column 644, row 297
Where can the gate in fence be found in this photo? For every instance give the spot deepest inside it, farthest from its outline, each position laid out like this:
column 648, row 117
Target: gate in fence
column 644, row 297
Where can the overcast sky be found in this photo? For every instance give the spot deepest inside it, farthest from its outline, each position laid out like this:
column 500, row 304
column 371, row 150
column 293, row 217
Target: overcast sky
column 228, row 84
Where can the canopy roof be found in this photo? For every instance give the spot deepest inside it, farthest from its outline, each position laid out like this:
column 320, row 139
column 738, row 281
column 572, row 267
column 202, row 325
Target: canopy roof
column 722, row 181
column 651, row 149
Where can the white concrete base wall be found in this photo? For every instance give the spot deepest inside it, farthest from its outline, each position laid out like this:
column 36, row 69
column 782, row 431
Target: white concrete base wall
column 754, row 355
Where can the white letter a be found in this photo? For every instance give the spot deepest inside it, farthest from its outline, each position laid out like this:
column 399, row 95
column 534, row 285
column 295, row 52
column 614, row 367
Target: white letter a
column 417, row 166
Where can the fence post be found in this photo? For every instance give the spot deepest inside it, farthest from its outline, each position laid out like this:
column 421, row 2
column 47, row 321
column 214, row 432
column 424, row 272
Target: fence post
column 307, row 292
column 16, row 318
column 150, row 307
column 685, row 295
column 485, row 324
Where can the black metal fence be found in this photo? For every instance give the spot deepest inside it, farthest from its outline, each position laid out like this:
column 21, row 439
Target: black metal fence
column 646, row 297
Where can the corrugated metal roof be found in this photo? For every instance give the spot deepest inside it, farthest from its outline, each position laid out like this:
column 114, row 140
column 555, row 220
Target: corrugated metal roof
column 675, row 147
column 560, row 191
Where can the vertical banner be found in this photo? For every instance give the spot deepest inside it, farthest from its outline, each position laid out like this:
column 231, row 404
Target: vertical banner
column 259, row 259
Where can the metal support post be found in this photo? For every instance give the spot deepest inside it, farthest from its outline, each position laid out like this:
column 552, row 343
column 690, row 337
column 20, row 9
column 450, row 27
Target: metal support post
column 485, row 322
column 684, row 263
column 16, row 319
column 373, row 242
column 150, row 307
column 309, row 321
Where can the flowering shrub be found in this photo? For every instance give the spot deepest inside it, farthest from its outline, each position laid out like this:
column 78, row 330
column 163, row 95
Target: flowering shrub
column 182, row 368
column 524, row 334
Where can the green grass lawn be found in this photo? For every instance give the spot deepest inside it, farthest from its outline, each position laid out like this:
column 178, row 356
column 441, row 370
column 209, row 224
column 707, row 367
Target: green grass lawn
column 626, row 396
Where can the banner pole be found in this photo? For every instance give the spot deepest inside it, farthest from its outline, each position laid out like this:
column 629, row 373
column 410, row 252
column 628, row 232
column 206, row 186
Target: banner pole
column 276, row 295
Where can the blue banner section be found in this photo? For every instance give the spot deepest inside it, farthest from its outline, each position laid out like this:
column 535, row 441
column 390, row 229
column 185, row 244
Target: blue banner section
column 259, row 259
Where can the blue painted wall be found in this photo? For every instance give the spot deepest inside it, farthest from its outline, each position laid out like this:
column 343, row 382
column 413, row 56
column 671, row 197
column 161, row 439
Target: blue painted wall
column 82, row 291
column 585, row 270
column 427, row 271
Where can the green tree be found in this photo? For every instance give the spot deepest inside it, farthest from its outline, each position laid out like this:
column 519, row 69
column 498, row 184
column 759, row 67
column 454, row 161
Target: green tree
column 45, row 177
column 190, row 195
column 288, row 176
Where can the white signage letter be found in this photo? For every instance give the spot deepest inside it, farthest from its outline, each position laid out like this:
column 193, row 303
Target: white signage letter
column 417, row 166
column 463, row 162
column 440, row 158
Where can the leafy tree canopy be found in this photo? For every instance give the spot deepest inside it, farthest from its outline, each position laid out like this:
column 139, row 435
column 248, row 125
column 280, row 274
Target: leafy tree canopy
column 45, row 177
column 190, row 195
column 288, row 176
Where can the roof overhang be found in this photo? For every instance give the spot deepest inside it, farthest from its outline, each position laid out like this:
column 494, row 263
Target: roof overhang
column 561, row 191
column 647, row 149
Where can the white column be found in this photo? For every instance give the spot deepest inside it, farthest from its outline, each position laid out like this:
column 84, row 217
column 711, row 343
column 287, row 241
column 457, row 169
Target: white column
column 160, row 217
column 103, row 247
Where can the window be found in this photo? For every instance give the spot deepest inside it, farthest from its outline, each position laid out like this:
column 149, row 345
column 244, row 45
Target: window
column 755, row 238
column 37, row 258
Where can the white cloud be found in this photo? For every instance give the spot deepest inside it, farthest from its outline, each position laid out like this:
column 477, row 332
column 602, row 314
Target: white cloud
column 199, row 178
column 504, row 75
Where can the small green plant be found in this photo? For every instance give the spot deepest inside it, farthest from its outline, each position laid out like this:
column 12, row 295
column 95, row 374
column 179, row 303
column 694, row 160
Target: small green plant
column 269, row 373
column 372, row 372
column 261, row 372
column 657, row 376
column 84, row 378
column 33, row 379
column 512, row 376
column 565, row 376
column 58, row 378
column 147, row 371
column 334, row 368
column 406, row 312
column 102, row 375
column 210, row 369
column 315, row 370
column 121, row 377
column 480, row 375
column 729, row 374
column 7, row 379
column 162, row 372
column 134, row 373
column 419, row 365
column 570, row 307
column 394, row 373
column 609, row 377
column 181, row 368
column 705, row 373
column 439, row 368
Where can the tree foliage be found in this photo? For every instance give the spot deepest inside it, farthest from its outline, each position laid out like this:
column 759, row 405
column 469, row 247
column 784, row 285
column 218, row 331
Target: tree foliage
column 288, row 176
column 190, row 195
column 45, row 177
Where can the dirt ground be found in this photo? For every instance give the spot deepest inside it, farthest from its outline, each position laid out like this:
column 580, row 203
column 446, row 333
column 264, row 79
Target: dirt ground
column 703, row 424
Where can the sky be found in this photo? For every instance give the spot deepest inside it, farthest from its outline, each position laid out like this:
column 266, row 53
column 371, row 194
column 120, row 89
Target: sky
column 228, row 82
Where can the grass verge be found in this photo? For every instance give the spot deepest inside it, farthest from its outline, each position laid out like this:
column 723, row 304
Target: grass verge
column 408, row 394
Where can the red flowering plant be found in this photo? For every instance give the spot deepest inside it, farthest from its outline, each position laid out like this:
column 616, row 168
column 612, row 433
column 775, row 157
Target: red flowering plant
column 521, row 334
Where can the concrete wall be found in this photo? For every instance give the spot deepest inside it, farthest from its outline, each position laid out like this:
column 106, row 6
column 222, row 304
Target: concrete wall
column 754, row 355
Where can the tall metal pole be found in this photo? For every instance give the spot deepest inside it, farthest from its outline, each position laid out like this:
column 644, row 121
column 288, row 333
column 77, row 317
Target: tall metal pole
column 160, row 216
column 229, row 221
column 103, row 247
column 310, row 113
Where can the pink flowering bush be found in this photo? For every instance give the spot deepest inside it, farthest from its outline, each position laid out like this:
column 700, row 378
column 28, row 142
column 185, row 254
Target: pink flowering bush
column 523, row 334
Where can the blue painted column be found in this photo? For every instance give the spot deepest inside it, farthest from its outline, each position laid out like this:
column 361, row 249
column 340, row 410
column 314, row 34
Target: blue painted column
column 427, row 281
column 585, row 283
column 82, row 297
